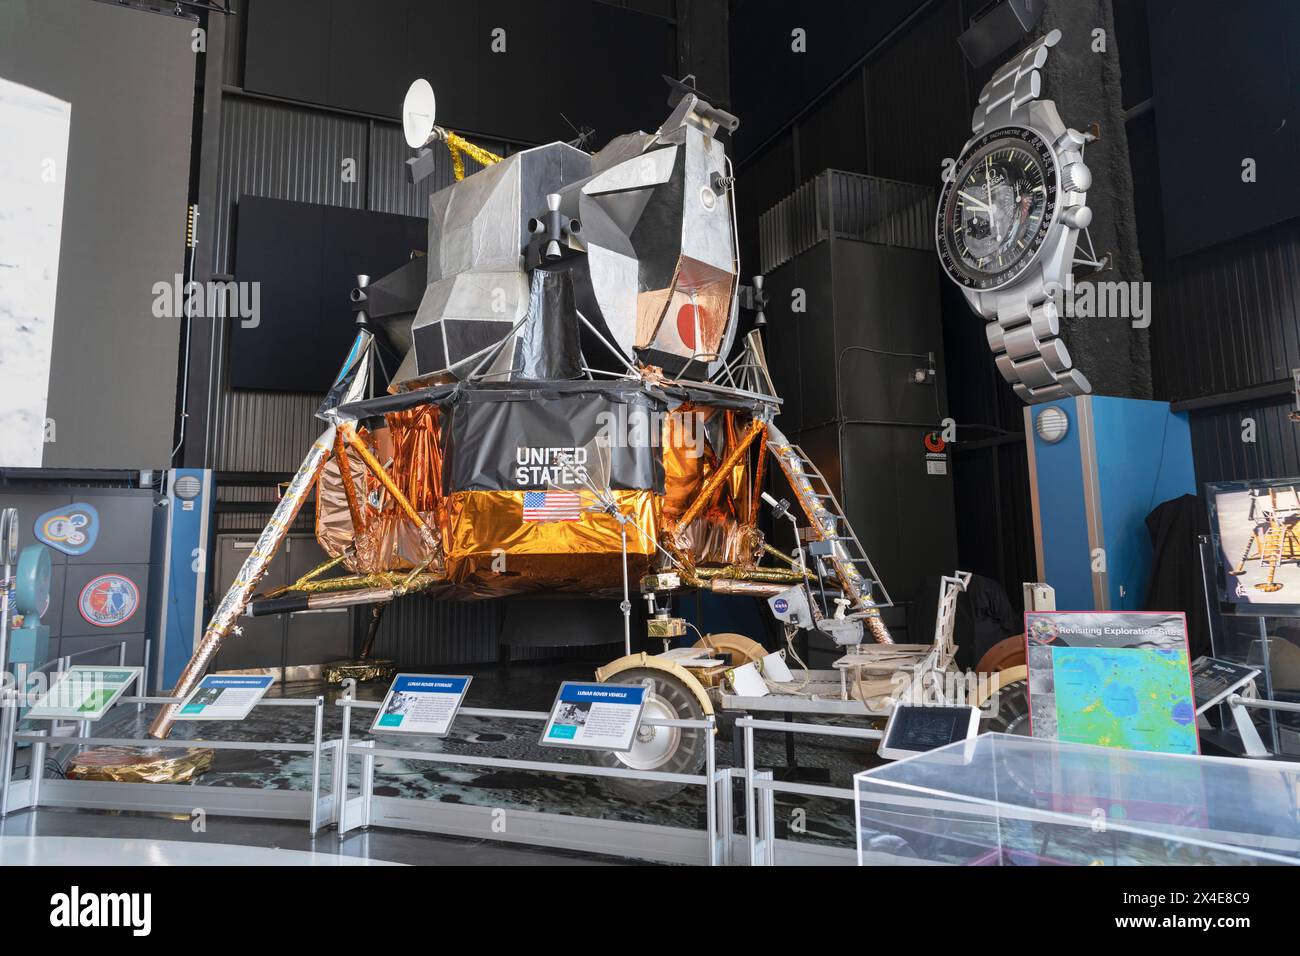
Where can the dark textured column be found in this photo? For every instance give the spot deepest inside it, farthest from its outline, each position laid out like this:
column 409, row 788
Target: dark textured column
column 702, row 47
column 1086, row 87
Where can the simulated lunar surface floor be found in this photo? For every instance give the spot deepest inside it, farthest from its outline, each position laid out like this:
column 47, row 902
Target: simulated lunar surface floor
column 526, row 686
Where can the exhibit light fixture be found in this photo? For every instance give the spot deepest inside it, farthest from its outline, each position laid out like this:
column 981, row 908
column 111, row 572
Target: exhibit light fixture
column 1052, row 424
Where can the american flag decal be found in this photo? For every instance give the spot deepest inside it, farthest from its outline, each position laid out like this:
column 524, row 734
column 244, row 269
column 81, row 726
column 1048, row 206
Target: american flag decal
column 552, row 506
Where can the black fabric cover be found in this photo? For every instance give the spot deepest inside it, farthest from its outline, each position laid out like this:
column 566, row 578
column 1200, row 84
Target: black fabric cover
column 494, row 433
column 1176, row 581
column 985, row 615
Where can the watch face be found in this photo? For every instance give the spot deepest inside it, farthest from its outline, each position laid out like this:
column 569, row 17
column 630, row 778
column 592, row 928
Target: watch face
column 997, row 210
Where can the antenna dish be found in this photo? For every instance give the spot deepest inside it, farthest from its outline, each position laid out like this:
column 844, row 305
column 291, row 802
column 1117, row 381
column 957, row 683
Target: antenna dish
column 418, row 113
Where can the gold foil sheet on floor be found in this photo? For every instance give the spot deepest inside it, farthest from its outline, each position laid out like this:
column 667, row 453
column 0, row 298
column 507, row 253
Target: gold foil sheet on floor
column 134, row 765
column 336, row 672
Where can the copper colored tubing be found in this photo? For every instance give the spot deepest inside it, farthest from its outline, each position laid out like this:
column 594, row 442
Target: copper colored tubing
column 760, row 469
column 711, row 485
column 390, row 486
column 748, row 588
column 349, row 487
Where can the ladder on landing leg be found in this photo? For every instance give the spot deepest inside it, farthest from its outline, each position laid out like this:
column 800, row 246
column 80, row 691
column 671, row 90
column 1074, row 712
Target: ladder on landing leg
column 827, row 522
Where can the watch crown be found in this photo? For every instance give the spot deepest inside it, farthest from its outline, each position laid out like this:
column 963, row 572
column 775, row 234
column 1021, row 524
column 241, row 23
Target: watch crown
column 1077, row 217
column 1076, row 178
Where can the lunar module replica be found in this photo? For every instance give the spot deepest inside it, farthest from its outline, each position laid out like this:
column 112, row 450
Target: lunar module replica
column 568, row 417
column 1273, row 537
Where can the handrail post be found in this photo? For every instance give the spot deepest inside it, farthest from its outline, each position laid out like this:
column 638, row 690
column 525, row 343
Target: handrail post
column 710, row 796
column 313, row 822
column 367, row 782
column 750, row 827
column 8, row 724
column 37, row 770
column 341, row 766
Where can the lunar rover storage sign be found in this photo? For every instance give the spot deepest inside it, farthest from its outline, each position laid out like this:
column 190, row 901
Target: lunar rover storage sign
column 1113, row 680
column 421, row 704
column 595, row 716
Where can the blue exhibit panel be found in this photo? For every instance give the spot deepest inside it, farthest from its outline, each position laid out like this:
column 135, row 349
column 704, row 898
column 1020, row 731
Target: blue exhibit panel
column 1118, row 460
column 190, row 507
column 1144, row 457
column 1067, row 559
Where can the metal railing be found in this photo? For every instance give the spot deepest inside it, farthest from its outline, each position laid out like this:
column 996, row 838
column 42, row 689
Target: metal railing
column 760, row 821
column 843, row 205
column 358, row 811
column 112, row 795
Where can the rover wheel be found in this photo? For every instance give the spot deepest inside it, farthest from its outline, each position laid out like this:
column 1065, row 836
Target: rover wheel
column 666, row 749
column 743, row 650
column 1012, row 715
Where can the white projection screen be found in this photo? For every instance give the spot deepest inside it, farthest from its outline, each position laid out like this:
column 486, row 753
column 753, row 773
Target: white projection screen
column 34, row 128
column 106, row 372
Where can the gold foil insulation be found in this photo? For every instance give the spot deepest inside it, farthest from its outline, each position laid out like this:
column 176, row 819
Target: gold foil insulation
column 486, row 549
column 493, row 551
column 407, row 472
column 133, row 765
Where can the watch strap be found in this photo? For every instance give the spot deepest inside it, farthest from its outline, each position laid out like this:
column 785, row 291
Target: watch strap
column 1013, row 87
column 1027, row 347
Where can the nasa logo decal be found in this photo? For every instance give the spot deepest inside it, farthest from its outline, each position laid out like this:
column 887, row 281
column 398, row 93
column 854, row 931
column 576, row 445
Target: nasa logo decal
column 72, row 529
column 781, row 605
column 108, row 600
column 1044, row 631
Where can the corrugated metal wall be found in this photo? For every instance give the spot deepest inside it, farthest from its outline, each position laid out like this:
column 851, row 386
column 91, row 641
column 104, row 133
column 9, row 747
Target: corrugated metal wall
column 1229, row 317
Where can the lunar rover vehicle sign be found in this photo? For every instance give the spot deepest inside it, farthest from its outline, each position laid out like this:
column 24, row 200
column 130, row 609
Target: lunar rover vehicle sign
column 595, row 716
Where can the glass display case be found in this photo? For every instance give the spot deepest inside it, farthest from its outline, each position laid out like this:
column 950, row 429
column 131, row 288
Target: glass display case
column 1000, row 800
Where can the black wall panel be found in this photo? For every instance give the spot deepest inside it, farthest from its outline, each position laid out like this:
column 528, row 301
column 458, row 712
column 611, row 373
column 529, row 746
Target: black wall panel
column 1229, row 317
column 596, row 64
column 305, row 258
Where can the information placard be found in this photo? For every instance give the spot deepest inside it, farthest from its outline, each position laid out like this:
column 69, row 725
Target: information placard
column 595, row 716
column 920, row 728
column 421, row 704
column 1213, row 680
column 1112, row 679
column 84, row 692
column 225, row 697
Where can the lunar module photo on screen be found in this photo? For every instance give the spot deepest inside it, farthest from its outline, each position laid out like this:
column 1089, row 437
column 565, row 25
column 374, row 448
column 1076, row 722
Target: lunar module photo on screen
column 568, row 417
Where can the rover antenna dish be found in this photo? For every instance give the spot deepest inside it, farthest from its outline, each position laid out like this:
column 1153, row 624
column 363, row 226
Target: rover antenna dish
column 418, row 113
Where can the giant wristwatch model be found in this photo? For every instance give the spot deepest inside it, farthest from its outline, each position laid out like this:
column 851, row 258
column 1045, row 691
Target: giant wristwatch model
column 1009, row 218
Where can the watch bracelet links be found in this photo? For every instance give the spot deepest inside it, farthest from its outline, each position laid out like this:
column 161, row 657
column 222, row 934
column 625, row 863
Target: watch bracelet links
column 1014, row 86
column 1028, row 350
